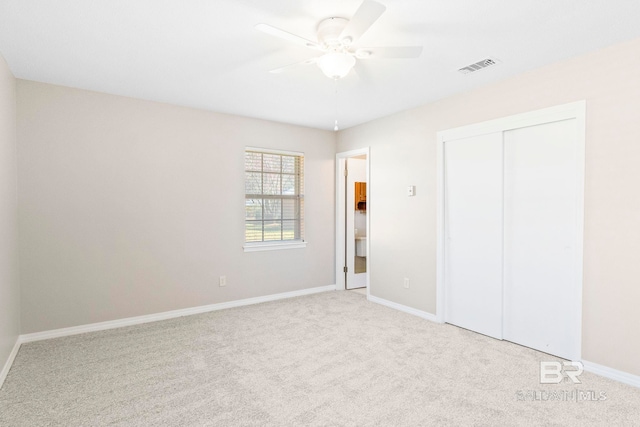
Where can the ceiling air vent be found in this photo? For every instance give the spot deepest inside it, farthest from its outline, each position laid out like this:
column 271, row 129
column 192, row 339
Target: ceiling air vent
column 480, row 65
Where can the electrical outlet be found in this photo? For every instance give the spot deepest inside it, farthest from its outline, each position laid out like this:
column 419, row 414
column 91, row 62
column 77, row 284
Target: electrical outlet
column 223, row 280
column 406, row 283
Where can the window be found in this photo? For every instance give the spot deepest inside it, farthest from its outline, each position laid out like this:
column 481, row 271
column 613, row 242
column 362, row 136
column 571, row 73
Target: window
column 274, row 199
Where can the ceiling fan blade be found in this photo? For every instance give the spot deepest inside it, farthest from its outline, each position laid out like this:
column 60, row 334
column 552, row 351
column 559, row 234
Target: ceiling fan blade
column 368, row 13
column 291, row 66
column 277, row 32
column 390, row 52
column 362, row 73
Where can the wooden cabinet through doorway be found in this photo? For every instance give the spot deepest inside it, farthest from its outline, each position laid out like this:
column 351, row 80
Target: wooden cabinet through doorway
column 361, row 196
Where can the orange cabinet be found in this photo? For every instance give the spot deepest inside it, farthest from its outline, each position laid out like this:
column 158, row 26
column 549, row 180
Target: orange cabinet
column 361, row 196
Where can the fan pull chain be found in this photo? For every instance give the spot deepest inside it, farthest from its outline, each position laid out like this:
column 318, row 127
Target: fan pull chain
column 335, row 127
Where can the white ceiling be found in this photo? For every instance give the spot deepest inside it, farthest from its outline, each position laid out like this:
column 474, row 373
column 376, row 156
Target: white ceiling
column 206, row 53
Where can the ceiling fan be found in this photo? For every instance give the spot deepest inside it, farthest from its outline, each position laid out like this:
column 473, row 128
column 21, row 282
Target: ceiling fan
column 337, row 39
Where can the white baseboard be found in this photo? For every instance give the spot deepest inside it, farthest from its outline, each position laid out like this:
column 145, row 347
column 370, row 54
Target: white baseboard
column 130, row 321
column 612, row 374
column 400, row 307
column 9, row 362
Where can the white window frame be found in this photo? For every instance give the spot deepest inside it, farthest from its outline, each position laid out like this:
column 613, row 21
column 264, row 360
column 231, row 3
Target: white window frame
column 278, row 244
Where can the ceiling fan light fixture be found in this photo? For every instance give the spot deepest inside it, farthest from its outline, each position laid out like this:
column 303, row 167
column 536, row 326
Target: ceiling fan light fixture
column 336, row 65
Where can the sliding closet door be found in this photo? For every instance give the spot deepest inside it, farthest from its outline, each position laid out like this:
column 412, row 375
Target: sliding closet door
column 473, row 233
column 540, row 237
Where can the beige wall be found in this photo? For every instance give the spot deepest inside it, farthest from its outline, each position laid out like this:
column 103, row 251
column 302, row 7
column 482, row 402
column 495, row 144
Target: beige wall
column 130, row 207
column 9, row 290
column 403, row 152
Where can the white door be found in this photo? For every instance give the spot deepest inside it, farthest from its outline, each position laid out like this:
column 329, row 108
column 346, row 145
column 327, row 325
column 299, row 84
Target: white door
column 531, row 227
column 473, row 233
column 345, row 223
column 540, row 238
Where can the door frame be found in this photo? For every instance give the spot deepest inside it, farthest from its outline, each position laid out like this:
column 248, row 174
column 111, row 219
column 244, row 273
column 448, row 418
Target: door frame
column 573, row 110
column 340, row 240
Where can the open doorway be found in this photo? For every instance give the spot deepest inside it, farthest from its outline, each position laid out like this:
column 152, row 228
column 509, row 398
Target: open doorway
column 353, row 206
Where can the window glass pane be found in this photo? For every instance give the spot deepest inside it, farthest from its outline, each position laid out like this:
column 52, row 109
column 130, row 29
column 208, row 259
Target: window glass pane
column 289, row 209
column 288, row 184
column 273, row 197
column 272, row 231
column 289, row 230
column 272, row 209
column 252, row 161
column 253, row 209
column 253, row 183
column 271, row 163
column 253, row 231
column 288, row 164
column 271, row 183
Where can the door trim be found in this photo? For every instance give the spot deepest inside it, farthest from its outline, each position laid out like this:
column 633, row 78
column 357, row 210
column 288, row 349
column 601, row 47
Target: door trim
column 339, row 218
column 574, row 110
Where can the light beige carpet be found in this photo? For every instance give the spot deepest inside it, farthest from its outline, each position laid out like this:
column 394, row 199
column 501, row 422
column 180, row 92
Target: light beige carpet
column 330, row 359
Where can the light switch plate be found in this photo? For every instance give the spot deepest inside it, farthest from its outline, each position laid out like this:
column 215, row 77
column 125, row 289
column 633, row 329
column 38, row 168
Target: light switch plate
column 411, row 190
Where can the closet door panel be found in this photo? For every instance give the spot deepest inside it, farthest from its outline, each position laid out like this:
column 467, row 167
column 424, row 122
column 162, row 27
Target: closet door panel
column 540, row 237
column 474, row 233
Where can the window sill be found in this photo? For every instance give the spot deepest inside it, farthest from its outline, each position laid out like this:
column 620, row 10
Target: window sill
column 273, row 246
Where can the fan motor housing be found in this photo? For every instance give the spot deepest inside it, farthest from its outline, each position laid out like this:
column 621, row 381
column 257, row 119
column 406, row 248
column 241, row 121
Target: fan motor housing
column 329, row 31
